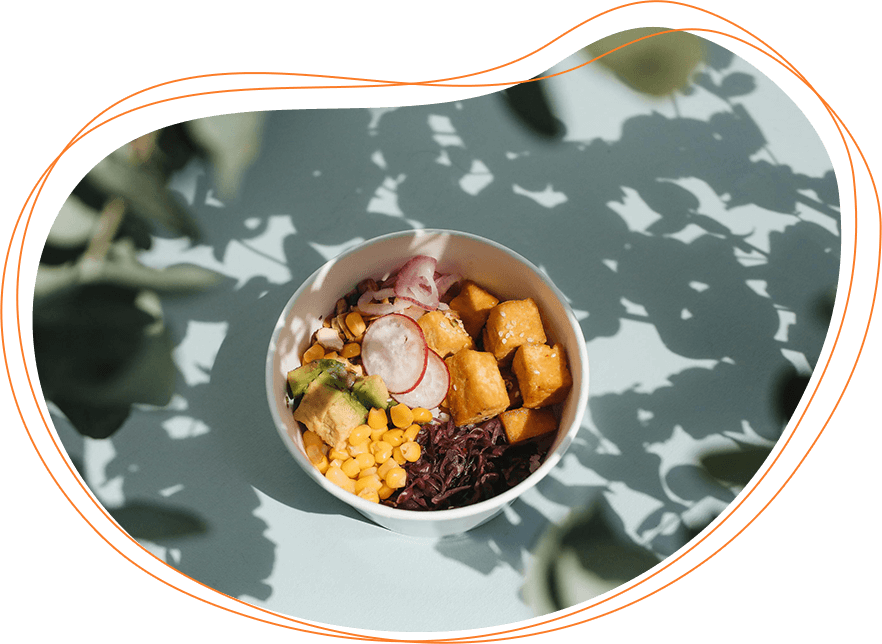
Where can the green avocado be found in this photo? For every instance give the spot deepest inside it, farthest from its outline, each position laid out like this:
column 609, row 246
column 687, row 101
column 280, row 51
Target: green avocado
column 371, row 392
column 300, row 378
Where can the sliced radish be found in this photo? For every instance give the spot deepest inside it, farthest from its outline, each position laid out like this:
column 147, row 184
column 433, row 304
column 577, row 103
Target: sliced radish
column 416, row 282
column 444, row 282
column 369, row 303
column 432, row 389
column 395, row 349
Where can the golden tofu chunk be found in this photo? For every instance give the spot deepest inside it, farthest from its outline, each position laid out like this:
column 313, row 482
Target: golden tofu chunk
column 523, row 423
column 510, row 325
column 477, row 391
column 542, row 373
column 473, row 305
column 445, row 336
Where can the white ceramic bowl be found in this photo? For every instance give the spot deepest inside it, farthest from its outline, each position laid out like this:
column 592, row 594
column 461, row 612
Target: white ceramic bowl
column 498, row 269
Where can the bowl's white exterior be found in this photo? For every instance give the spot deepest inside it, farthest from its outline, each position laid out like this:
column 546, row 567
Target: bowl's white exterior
column 496, row 268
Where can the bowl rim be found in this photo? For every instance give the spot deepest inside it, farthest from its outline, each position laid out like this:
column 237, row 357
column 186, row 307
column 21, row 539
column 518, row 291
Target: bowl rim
column 488, row 505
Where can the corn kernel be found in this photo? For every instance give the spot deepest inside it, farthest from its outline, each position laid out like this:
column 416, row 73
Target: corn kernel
column 377, row 418
column 412, row 432
column 401, row 415
column 355, row 323
column 350, row 468
column 384, row 468
column 372, row 482
column 331, row 356
column 335, row 453
column 311, row 438
column 314, row 454
column 336, row 463
column 323, row 465
column 369, row 495
column 350, row 350
column 338, row 477
column 385, row 492
column 421, row 415
column 377, row 434
column 396, row 478
column 397, row 456
column 367, row 472
column 360, row 434
column 411, row 451
column 381, row 450
column 315, row 352
column 355, row 450
column 365, row 461
column 394, row 437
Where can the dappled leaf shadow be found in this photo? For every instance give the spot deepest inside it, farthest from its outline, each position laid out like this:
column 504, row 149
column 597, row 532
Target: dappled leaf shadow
column 157, row 523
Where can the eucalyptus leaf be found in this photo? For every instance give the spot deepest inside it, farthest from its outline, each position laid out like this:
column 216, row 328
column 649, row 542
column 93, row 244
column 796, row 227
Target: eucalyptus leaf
column 529, row 102
column 656, row 66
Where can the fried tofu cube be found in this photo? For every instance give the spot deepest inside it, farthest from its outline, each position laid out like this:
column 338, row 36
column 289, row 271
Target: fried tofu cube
column 542, row 373
column 477, row 391
column 524, row 423
column 444, row 335
column 510, row 325
column 473, row 305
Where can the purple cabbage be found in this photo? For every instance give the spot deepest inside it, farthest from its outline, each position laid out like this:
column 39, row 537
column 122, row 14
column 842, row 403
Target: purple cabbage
column 460, row 466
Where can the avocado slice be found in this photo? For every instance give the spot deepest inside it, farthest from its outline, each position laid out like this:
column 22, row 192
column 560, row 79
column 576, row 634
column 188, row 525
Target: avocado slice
column 301, row 377
column 371, row 391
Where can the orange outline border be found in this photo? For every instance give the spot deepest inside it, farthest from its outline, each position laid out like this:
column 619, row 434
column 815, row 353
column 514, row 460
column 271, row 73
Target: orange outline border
column 374, row 83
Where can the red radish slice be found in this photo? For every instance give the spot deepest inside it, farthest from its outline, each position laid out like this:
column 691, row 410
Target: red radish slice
column 432, row 389
column 444, row 282
column 416, row 282
column 395, row 349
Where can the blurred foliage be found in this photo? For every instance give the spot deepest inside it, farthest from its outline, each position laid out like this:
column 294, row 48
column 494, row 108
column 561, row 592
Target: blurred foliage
column 100, row 340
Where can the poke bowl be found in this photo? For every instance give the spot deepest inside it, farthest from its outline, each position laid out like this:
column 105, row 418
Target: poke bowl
column 427, row 378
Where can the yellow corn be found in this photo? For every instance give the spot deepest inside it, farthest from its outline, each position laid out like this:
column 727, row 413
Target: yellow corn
column 355, row 450
column 369, row 495
column 401, row 415
column 372, row 482
column 386, row 467
column 411, row 451
column 323, row 464
column 377, row 418
column 394, row 437
column 338, row 477
column 377, row 434
column 397, row 456
column 311, row 438
column 355, row 323
column 367, row 472
column 381, row 450
column 360, row 434
column 385, row 492
column 421, row 415
column 335, row 453
column 396, row 478
column 365, row 461
column 350, row 468
column 315, row 352
column 314, row 454
column 331, row 356
column 336, row 463
column 411, row 432
column 350, row 350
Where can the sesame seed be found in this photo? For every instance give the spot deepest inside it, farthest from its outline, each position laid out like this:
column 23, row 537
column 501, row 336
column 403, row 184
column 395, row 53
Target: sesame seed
column 553, row 355
column 502, row 313
column 536, row 371
column 521, row 335
column 454, row 387
column 529, row 339
column 504, row 340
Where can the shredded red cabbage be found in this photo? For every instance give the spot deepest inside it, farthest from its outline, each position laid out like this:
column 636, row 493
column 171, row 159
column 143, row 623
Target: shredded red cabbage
column 460, row 466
